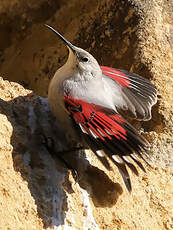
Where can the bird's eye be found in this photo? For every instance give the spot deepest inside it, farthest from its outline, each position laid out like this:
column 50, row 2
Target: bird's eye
column 84, row 59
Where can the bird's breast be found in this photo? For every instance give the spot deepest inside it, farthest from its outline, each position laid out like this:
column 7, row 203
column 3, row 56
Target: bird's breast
column 92, row 91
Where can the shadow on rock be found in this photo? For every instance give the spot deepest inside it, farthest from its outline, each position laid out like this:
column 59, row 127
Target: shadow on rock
column 35, row 164
column 31, row 120
column 104, row 192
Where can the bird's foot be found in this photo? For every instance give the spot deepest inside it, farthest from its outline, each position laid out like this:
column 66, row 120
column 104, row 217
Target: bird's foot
column 48, row 142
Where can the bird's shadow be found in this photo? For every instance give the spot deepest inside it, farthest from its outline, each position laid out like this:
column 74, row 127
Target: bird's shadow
column 43, row 172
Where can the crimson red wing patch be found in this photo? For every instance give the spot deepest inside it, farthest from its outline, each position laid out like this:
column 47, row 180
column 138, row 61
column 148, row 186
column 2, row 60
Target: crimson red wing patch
column 117, row 75
column 107, row 133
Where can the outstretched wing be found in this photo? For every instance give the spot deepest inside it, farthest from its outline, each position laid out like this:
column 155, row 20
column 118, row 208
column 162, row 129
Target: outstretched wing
column 105, row 131
column 138, row 94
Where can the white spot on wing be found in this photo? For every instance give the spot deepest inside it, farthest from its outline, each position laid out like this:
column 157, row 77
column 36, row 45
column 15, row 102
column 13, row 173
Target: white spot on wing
column 93, row 134
column 133, row 156
column 126, row 159
column 99, row 153
column 83, row 130
column 115, row 158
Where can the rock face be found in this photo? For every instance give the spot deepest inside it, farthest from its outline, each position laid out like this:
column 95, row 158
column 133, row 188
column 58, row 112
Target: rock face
column 36, row 192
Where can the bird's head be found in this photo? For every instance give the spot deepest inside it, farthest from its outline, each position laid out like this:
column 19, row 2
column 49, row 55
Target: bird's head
column 79, row 59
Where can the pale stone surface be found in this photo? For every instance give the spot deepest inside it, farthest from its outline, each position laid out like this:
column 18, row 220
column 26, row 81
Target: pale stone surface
column 36, row 192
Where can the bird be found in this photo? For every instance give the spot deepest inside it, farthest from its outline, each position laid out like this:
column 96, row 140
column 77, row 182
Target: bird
column 88, row 100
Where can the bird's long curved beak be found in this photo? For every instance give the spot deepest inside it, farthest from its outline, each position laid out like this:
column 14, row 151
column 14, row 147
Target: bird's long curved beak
column 62, row 38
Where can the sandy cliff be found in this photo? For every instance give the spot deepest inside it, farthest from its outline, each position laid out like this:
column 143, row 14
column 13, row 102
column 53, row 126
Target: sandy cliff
column 36, row 192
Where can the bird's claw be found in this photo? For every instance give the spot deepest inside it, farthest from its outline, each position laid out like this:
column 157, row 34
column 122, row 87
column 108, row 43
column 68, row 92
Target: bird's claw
column 48, row 142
